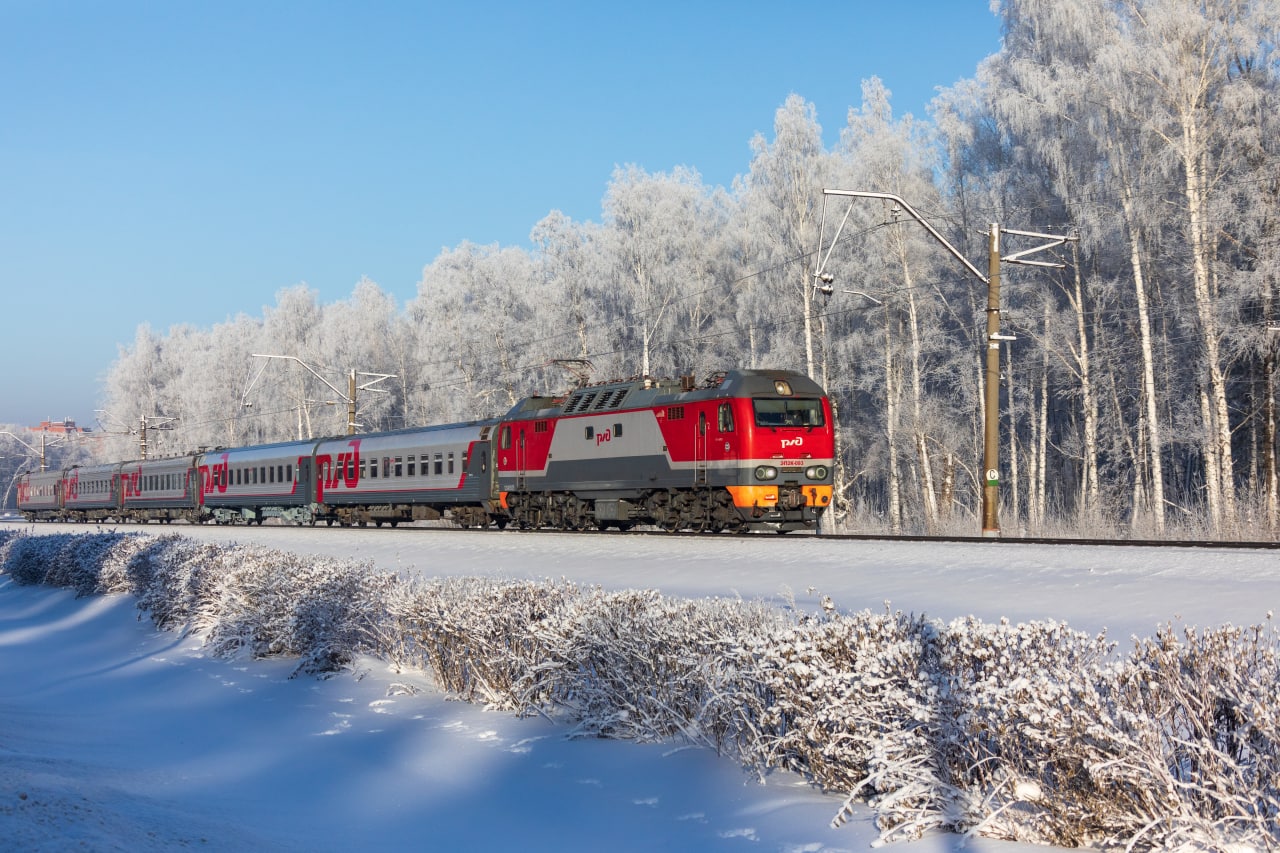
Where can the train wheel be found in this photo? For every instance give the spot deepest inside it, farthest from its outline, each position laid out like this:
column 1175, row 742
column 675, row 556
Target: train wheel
column 701, row 515
column 576, row 516
column 663, row 512
column 683, row 511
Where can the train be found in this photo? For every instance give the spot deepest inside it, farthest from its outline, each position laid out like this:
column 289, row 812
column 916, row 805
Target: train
column 743, row 450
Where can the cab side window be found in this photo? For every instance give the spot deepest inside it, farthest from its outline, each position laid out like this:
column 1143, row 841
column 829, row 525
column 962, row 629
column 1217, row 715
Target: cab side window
column 725, row 418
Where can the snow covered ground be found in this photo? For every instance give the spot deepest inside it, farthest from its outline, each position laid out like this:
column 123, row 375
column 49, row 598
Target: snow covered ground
column 116, row 736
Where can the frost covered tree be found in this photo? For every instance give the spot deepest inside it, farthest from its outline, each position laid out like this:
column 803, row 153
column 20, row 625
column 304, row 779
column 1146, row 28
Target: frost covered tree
column 658, row 230
column 472, row 317
column 572, row 268
column 356, row 335
column 1138, row 113
column 292, row 328
column 910, row 340
column 781, row 197
column 138, row 388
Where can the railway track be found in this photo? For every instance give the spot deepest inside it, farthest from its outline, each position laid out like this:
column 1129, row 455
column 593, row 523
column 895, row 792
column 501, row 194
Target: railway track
column 1218, row 544
column 887, row 537
column 1039, row 540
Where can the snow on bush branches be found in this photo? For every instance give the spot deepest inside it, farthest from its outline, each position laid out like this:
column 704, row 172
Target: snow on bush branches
column 1031, row 732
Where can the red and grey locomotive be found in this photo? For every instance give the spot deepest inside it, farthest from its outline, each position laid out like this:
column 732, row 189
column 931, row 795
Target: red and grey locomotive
column 749, row 448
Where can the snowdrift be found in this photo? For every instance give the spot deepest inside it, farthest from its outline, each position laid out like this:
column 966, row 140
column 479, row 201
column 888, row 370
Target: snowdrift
column 1031, row 732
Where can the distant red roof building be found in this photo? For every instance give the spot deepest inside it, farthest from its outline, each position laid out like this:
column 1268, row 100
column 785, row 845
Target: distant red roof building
column 62, row 427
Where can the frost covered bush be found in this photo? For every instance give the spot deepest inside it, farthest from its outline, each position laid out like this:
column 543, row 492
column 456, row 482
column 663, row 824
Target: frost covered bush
column 637, row 665
column 629, row 664
column 65, row 560
column 321, row 610
column 261, row 601
column 1020, row 706
column 28, row 559
column 178, row 581
column 113, row 571
column 1194, row 757
column 475, row 635
column 246, row 599
column 1035, row 732
column 853, row 706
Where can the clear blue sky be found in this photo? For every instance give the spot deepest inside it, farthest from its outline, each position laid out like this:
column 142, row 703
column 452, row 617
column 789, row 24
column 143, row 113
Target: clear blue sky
column 180, row 162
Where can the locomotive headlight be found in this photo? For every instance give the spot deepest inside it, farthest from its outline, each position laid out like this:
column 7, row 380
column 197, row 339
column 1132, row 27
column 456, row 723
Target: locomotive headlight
column 766, row 472
column 816, row 472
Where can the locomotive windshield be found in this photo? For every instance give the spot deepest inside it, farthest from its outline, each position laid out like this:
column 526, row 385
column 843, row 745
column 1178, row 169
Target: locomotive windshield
column 791, row 412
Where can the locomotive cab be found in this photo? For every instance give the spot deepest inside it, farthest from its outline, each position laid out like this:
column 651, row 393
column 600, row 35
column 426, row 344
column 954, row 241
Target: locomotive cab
column 785, row 479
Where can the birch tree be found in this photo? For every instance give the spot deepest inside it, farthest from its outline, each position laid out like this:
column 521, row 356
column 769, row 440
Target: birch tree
column 891, row 156
column 659, row 238
column 1040, row 88
column 1185, row 57
column 292, row 328
column 782, row 195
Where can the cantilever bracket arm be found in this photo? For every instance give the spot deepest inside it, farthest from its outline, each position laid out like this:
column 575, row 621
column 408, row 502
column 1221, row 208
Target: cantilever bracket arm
column 378, row 377
column 308, row 368
column 1055, row 240
column 910, row 211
